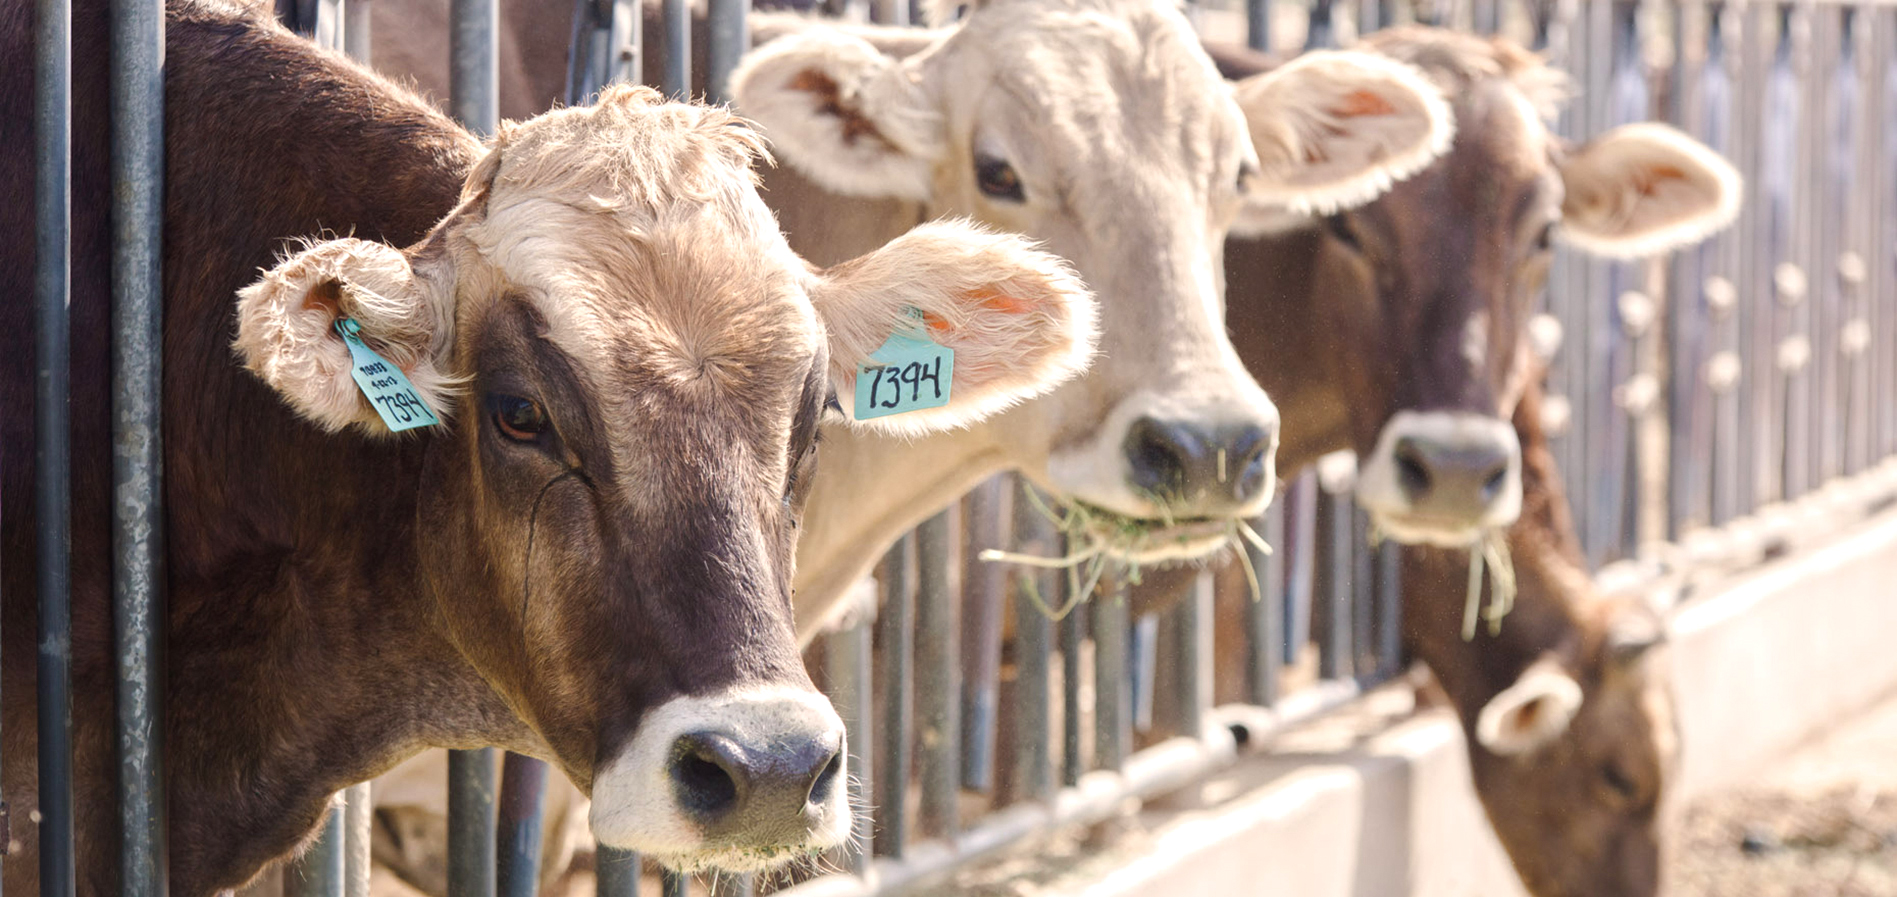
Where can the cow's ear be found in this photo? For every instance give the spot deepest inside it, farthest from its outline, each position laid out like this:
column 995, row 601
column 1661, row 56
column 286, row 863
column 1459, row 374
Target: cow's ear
column 842, row 112
column 286, row 329
column 1017, row 319
column 1642, row 189
column 1531, row 713
column 1334, row 129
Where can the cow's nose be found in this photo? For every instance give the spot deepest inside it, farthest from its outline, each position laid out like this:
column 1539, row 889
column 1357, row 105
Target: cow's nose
column 1455, row 476
column 728, row 785
column 1202, row 467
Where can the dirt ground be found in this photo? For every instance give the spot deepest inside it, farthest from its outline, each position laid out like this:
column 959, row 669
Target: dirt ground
column 1820, row 823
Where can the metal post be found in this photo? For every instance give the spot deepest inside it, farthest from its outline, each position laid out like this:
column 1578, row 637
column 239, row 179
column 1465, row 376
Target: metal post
column 321, row 871
column 138, row 621
column 847, row 656
column 473, row 82
column 729, row 26
column 52, row 111
column 1113, row 712
column 678, row 48
column 1264, row 612
column 359, row 805
column 1031, row 757
column 895, row 675
column 471, row 841
column 1301, row 543
column 523, row 793
column 1193, row 627
column 1258, row 25
column 356, row 29
column 938, row 693
column 1072, row 635
column 618, row 873
column 984, row 602
column 1335, row 661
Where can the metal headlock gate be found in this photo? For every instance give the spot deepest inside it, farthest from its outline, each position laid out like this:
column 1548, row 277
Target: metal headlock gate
column 1694, row 390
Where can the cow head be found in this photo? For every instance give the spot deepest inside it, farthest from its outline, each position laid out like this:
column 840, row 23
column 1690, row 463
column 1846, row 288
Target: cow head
column 1100, row 128
column 1431, row 284
column 1571, row 762
column 632, row 365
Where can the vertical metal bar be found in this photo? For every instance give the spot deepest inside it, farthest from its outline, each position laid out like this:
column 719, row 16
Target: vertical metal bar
column 1258, row 24
column 1389, row 645
column 1301, row 541
column 52, row 112
column 1363, row 590
column 1335, row 660
column 618, row 873
column 730, row 35
column 138, row 620
column 890, row 12
column 473, row 82
column 1264, row 614
column 322, row 870
column 678, row 48
column 984, row 602
column 1142, row 667
column 626, row 43
column 847, row 658
column 359, row 811
column 1072, row 634
column 938, row 667
column 523, row 802
column 471, row 834
column 1113, row 710
column 1193, row 625
column 357, row 29
column 675, row 884
column 1322, row 33
column 895, row 676
column 1032, row 757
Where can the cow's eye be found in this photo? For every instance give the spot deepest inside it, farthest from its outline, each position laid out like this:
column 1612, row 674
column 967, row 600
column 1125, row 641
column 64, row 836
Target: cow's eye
column 997, row 179
column 519, row 419
column 1544, row 241
column 1340, row 228
column 1247, row 173
column 1619, row 782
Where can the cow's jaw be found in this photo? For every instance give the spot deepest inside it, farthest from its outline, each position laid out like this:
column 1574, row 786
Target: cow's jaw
column 676, row 792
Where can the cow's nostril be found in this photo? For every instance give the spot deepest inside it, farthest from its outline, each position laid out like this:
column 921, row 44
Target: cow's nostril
column 826, row 779
column 1158, row 457
column 1492, row 486
column 704, row 776
column 1411, row 471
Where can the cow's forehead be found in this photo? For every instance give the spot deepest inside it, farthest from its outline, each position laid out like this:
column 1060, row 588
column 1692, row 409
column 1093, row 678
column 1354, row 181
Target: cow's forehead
column 1075, row 71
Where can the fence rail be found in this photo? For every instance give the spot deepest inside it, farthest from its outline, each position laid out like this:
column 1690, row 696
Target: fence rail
column 1692, row 391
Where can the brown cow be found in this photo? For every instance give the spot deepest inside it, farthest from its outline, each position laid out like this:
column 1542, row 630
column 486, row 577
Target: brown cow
column 1412, row 311
column 589, row 561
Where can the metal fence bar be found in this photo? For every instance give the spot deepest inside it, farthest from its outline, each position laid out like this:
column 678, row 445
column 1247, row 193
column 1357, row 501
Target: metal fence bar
column 138, row 621
column 523, row 793
column 52, row 112
column 322, row 870
column 1258, row 24
column 1031, row 758
column 895, row 678
column 847, row 661
column 1072, row 636
column 938, row 667
column 359, row 811
column 677, row 82
column 471, row 824
column 1336, row 659
column 1112, row 686
column 1264, row 612
column 617, row 873
column 728, row 24
column 984, row 603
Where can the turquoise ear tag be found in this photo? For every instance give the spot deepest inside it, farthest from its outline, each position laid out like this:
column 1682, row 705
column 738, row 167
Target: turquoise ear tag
column 910, row 372
column 388, row 389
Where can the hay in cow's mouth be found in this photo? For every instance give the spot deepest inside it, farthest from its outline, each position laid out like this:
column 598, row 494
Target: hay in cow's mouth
column 1099, row 539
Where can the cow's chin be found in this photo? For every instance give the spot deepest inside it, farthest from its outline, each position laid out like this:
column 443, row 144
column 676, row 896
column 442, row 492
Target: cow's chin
column 739, row 860
column 1407, row 528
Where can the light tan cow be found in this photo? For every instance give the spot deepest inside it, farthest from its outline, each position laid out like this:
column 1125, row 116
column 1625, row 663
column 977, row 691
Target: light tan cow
column 1101, row 128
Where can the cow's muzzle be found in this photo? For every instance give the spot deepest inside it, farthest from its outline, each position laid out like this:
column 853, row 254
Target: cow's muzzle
column 1442, row 477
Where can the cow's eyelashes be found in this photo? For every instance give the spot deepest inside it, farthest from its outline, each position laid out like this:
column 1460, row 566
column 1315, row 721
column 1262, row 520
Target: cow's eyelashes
column 517, row 418
column 998, row 180
column 1619, row 782
column 1340, row 228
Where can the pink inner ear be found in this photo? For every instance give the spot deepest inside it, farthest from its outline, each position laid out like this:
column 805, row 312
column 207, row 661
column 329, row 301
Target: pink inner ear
column 1362, row 102
column 325, row 297
column 1002, row 302
column 1648, row 181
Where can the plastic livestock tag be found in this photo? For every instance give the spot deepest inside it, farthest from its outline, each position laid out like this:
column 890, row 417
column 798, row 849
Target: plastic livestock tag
column 387, row 388
column 910, row 372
